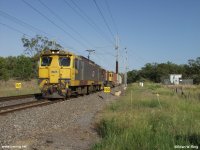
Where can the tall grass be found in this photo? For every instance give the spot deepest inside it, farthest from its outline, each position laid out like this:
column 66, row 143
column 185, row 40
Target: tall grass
column 153, row 118
column 27, row 87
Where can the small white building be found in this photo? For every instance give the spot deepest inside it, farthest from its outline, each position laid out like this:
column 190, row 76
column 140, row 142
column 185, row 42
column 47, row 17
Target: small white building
column 175, row 78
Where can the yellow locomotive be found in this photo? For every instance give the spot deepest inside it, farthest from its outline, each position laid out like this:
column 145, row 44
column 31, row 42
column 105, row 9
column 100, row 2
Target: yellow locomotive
column 62, row 74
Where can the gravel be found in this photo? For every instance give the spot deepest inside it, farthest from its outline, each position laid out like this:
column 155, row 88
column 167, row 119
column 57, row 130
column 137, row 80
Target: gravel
column 63, row 125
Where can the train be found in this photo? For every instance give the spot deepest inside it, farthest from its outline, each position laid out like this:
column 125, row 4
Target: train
column 63, row 73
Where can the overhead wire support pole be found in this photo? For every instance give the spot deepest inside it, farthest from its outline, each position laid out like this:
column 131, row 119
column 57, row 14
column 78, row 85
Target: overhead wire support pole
column 89, row 52
column 117, row 53
column 126, row 67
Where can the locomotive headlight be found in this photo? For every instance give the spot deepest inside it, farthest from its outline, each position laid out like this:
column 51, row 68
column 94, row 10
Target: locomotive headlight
column 52, row 52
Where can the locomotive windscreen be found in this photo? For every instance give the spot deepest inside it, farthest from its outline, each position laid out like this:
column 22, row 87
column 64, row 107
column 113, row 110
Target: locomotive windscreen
column 64, row 61
column 46, row 61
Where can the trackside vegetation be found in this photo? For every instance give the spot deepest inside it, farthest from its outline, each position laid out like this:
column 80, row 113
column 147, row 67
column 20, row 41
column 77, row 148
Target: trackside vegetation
column 151, row 117
column 157, row 72
column 25, row 67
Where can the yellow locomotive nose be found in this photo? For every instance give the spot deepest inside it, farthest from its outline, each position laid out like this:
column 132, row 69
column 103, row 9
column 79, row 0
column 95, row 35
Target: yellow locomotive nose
column 53, row 75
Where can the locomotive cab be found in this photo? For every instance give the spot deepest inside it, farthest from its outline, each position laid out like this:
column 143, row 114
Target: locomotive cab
column 62, row 74
column 55, row 70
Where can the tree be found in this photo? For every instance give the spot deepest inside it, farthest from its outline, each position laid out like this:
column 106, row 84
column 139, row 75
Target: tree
column 4, row 73
column 132, row 76
column 36, row 45
column 2, row 66
column 33, row 48
column 193, row 69
column 157, row 72
column 24, row 68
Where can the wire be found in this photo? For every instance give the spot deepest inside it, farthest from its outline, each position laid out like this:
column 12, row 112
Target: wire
column 93, row 22
column 115, row 25
column 106, row 53
column 20, row 22
column 12, row 28
column 52, row 22
column 87, row 19
column 59, row 18
column 26, row 25
column 101, row 14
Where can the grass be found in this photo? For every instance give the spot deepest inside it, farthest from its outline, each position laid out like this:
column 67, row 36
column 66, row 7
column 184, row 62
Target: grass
column 152, row 117
column 27, row 87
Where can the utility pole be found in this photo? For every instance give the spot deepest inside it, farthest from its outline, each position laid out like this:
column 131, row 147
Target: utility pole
column 117, row 53
column 89, row 52
column 126, row 67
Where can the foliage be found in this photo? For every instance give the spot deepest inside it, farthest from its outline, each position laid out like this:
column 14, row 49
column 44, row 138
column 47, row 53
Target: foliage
column 20, row 67
column 133, row 76
column 24, row 67
column 157, row 72
column 34, row 46
column 142, row 120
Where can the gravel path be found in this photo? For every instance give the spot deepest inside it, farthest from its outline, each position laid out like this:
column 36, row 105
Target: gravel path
column 66, row 125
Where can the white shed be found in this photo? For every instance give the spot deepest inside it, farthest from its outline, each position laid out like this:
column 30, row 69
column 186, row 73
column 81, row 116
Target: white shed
column 175, row 78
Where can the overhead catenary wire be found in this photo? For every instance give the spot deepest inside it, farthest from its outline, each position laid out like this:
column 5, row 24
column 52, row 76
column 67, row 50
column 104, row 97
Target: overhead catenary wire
column 28, row 26
column 107, row 53
column 31, row 27
column 12, row 28
column 52, row 22
column 20, row 22
column 112, row 18
column 64, row 22
column 88, row 20
column 104, row 19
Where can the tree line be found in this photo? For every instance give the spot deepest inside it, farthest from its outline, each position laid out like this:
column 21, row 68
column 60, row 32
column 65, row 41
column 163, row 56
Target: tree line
column 17, row 67
column 25, row 67
column 156, row 72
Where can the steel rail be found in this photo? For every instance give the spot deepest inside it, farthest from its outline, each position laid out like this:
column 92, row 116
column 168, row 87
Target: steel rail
column 22, row 106
column 10, row 98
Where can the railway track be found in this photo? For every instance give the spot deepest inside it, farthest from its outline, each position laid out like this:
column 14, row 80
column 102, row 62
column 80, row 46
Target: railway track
column 23, row 105
column 10, row 98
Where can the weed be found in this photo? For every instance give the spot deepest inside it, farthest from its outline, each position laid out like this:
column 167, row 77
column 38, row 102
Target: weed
column 142, row 120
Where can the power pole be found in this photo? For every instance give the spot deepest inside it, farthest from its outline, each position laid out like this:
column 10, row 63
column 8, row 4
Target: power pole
column 117, row 53
column 89, row 52
column 126, row 68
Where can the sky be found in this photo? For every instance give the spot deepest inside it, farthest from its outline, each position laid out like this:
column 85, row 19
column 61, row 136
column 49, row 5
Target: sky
column 150, row 30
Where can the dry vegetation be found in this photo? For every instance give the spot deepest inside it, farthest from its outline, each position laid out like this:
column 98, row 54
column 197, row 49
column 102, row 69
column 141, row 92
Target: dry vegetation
column 7, row 88
column 152, row 117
